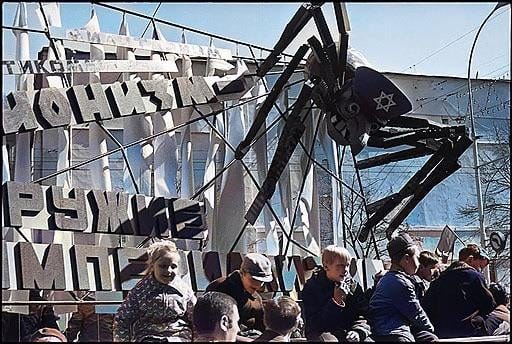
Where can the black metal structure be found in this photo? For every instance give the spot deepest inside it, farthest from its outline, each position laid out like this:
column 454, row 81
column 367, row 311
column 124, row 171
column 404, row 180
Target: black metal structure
column 362, row 108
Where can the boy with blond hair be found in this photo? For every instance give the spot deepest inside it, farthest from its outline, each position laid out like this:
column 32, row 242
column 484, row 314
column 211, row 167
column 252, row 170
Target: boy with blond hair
column 334, row 304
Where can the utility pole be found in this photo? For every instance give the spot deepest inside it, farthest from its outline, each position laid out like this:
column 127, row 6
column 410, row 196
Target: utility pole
column 483, row 236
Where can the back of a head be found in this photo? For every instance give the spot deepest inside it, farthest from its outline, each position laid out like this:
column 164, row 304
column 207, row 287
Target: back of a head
column 472, row 250
column 474, row 256
column 428, row 258
column 48, row 334
column 209, row 309
column 469, row 250
column 499, row 294
column 399, row 246
column 281, row 314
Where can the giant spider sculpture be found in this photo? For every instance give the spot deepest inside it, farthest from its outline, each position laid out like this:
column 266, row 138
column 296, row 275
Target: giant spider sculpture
column 362, row 107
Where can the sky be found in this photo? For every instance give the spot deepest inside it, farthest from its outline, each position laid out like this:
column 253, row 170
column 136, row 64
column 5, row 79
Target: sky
column 414, row 38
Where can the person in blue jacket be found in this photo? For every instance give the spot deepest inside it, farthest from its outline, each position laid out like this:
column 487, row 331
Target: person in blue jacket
column 334, row 305
column 395, row 312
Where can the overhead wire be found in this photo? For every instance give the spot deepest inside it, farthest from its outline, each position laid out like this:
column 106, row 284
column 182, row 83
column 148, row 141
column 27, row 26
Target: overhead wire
column 450, row 43
column 491, row 60
column 450, row 93
column 498, row 70
column 188, row 28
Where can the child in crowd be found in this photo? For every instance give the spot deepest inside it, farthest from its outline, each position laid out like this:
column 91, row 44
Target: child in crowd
column 394, row 310
column 427, row 272
column 159, row 307
column 281, row 317
column 498, row 321
column 88, row 325
column 334, row 304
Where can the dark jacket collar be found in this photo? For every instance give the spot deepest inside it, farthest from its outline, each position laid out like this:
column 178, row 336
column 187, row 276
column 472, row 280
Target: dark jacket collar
column 321, row 276
column 269, row 335
column 459, row 265
column 235, row 278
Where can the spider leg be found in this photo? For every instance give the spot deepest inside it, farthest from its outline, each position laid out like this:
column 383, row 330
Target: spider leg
column 326, row 79
column 343, row 27
column 328, row 64
column 445, row 168
column 445, row 143
column 292, row 132
column 243, row 147
column 328, row 44
column 299, row 20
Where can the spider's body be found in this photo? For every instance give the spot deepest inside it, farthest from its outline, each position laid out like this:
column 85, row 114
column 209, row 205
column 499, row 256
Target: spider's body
column 362, row 107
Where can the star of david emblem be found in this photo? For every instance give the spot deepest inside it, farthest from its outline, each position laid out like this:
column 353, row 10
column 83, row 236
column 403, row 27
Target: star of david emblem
column 380, row 98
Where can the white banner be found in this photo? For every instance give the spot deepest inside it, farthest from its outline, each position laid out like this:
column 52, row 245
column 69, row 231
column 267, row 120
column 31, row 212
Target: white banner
column 50, row 66
column 81, row 35
column 165, row 146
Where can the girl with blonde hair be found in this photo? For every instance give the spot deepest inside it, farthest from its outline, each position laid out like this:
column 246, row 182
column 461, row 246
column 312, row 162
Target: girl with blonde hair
column 159, row 307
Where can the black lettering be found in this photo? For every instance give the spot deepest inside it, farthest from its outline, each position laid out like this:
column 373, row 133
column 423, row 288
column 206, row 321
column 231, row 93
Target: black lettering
column 54, row 64
column 26, row 65
column 9, row 64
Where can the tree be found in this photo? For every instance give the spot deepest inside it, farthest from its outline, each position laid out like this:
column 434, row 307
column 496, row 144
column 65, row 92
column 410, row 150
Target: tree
column 354, row 214
column 495, row 179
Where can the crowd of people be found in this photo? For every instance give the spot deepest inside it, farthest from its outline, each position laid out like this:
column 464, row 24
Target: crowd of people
column 415, row 300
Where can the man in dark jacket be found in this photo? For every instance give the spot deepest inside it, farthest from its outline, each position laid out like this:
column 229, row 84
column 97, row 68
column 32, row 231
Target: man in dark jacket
column 459, row 297
column 333, row 304
column 243, row 286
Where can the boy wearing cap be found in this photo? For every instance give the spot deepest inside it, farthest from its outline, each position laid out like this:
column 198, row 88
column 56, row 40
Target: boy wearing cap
column 459, row 298
column 243, row 286
column 395, row 311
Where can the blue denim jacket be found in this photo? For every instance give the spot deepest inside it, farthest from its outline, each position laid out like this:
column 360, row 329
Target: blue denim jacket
column 395, row 309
